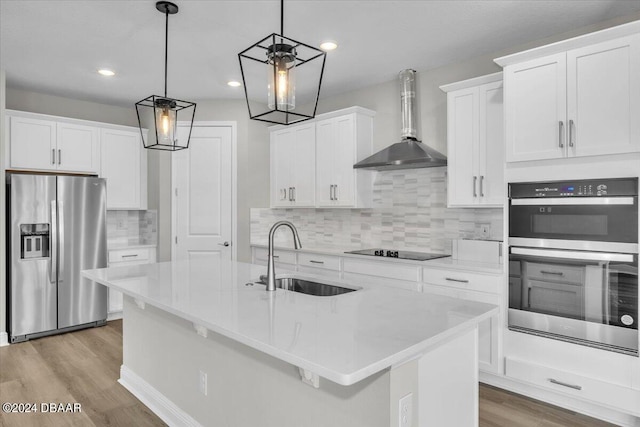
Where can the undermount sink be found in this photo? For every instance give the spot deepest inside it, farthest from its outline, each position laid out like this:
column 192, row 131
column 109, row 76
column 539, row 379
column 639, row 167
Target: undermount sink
column 309, row 287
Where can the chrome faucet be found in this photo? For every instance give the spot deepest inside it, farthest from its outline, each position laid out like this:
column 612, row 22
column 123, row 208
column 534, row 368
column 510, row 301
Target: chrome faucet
column 271, row 274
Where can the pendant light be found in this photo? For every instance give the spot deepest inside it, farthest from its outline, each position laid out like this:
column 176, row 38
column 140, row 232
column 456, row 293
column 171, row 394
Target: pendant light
column 160, row 114
column 282, row 78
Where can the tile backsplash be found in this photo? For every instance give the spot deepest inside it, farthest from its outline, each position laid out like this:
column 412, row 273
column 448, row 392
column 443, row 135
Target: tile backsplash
column 132, row 228
column 409, row 212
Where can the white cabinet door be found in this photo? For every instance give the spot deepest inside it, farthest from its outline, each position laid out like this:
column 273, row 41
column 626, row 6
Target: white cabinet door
column 475, row 146
column 535, row 106
column 326, row 167
column 491, row 145
column 124, row 167
column 78, row 148
column 281, row 182
column 32, row 143
column 604, row 98
column 462, row 142
column 344, row 176
column 303, row 164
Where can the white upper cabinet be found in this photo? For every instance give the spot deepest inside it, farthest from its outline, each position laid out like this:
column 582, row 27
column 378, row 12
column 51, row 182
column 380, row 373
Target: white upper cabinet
column 312, row 162
column 340, row 143
column 124, row 166
column 39, row 142
column 475, row 142
column 293, row 166
column 575, row 98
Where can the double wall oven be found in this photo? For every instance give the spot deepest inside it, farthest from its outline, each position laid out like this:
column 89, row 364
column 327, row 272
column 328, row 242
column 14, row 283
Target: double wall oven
column 573, row 261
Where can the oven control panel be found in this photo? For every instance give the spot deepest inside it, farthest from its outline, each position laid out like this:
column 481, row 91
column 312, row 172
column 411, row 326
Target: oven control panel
column 578, row 188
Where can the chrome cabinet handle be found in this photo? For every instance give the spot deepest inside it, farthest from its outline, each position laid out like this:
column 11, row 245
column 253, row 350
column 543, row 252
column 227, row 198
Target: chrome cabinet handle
column 571, row 133
column 291, row 194
column 529, row 298
column 283, row 194
column 59, row 156
column 276, row 256
column 313, row 261
column 450, row 279
column 573, row 386
column 560, row 132
column 475, row 179
column 481, row 186
column 294, row 194
column 335, row 191
column 53, row 156
column 130, row 256
column 557, row 273
column 225, row 244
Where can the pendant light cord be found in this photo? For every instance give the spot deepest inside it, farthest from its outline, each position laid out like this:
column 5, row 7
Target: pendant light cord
column 166, row 48
column 282, row 17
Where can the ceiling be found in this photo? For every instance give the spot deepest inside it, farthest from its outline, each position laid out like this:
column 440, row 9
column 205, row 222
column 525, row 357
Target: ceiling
column 56, row 47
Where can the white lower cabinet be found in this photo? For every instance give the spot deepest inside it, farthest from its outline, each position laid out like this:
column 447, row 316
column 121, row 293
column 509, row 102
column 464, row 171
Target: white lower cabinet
column 121, row 258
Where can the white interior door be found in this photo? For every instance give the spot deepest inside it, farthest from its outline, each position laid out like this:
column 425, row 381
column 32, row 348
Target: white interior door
column 203, row 194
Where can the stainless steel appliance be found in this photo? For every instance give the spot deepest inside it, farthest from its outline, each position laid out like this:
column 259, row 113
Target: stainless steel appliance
column 573, row 261
column 56, row 227
column 409, row 153
column 390, row 253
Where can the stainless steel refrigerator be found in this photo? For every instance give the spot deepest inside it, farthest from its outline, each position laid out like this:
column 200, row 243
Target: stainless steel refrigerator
column 56, row 227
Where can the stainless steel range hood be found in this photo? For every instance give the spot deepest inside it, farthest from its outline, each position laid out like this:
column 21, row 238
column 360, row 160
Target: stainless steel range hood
column 409, row 153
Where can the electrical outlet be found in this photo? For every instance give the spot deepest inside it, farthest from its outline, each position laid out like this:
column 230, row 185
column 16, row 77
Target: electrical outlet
column 485, row 231
column 121, row 224
column 202, row 382
column 405, row 411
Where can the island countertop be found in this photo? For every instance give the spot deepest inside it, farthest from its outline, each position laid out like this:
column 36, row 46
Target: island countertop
column 343, row 338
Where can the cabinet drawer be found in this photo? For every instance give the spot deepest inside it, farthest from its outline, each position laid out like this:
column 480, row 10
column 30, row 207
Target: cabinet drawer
column 280, row 256
column 382, row 269
column 575, row 385
column 462, row 280
column 319, row 261
column 376, row 282
column 124, row 255
column 563, row 273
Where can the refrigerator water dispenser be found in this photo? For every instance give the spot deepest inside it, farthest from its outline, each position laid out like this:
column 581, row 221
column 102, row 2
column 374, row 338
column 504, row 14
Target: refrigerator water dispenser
column 34, row 241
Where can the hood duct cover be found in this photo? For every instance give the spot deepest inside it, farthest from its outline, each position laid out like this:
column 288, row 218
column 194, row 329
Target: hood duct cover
column 409, row 153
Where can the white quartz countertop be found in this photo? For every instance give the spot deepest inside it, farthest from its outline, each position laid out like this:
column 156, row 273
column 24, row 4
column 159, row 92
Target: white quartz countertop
column 446, row 262
column 343, row 338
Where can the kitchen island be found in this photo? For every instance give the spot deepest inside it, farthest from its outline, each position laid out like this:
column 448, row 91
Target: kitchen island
column 204, row 344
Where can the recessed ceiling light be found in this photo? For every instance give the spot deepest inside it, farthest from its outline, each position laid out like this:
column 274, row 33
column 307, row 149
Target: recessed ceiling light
column 107, row 73
column 234, row 83
column 328, row 45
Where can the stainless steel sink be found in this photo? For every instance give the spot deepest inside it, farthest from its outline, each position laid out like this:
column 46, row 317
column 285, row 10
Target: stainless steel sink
column 308, row 286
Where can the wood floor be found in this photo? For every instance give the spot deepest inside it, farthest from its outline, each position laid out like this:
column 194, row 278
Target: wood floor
column 83, row 367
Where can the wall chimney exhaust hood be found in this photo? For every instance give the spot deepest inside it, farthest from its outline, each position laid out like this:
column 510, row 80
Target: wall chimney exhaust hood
column 409, row 153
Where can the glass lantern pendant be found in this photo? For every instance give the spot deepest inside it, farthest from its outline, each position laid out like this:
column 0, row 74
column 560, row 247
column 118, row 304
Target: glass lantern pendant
column 160, row 114
column 290, row 71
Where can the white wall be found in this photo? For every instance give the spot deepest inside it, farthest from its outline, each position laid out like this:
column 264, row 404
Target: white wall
column 3, row 208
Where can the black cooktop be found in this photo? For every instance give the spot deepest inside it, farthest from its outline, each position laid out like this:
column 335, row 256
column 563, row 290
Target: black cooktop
column 390, row 253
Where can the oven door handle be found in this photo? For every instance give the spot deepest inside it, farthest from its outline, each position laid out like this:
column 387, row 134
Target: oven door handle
column 577, row 255
column 553, row 201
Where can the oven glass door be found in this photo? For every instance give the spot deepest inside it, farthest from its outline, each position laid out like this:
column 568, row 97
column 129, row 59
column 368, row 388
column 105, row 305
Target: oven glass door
column 606, row 220
column 579, row 296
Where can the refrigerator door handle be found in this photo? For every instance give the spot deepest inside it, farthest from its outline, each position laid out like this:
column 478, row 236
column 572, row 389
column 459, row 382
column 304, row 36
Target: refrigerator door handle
column 53, row 261
column 60, row 238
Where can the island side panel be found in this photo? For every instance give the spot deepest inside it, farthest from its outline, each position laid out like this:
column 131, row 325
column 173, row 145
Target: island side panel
column 448, row 383
column 245, row 387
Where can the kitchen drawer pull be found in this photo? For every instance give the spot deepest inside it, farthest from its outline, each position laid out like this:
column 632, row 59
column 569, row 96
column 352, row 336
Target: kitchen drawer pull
column 456, row 280
column 573, row 386
column 560, row 132
column 557, row 273
column 313, row 261
column 130, row 256
column 276, row 256
column 475, row 179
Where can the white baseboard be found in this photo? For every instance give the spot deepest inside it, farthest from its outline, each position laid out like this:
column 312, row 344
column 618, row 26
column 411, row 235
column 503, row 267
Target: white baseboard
column 563, row 401
column 157, row 402
column 4, row 339
column 114, row 316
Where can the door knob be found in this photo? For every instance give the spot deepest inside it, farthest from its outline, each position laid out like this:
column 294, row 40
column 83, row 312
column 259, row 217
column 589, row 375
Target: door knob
column 224, row 244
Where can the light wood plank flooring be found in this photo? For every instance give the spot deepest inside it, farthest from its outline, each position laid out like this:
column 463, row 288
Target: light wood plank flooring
column 84, row 366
